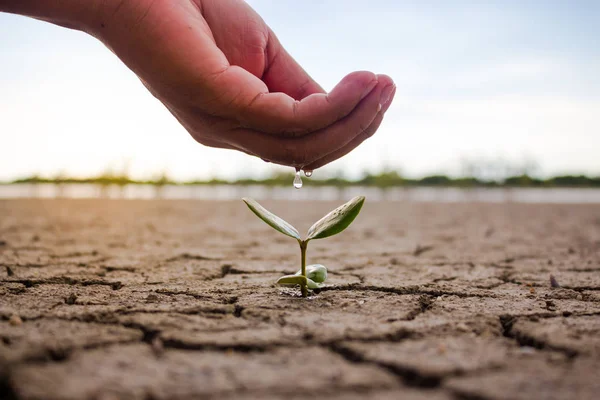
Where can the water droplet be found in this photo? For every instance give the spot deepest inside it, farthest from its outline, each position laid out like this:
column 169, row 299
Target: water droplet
column 297, row 180
column 308, row 173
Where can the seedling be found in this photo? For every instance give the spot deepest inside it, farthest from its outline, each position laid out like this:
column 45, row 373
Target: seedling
column 313, row 276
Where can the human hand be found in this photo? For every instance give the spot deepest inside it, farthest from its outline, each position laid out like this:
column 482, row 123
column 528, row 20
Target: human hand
column 224, row 75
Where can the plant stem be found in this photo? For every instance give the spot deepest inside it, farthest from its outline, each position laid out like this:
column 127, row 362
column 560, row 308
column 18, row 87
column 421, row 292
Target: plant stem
column 303, row 246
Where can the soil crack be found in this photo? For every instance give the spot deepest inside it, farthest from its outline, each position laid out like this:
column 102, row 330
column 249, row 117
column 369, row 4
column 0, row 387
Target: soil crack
column 65, row 280
column 188, row 256
column 404, row 290
column 522, row 339
column 409, row 376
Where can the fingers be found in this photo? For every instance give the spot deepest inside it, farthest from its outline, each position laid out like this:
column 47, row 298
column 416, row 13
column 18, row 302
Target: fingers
column 304, row 150
column 251, row 79
column 283, row 74
column 354, row 143
column 246, row 99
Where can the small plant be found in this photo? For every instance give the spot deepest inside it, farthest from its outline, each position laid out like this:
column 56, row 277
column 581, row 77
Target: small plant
column 313, row 276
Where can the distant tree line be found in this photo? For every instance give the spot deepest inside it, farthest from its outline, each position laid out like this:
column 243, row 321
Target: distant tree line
column 383, row 180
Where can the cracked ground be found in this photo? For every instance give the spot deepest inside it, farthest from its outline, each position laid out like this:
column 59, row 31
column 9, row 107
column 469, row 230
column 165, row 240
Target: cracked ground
column 176, row 299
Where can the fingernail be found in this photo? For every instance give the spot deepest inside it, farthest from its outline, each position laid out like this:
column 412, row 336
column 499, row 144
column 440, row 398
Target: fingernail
column 387, row 94
column 369, row 88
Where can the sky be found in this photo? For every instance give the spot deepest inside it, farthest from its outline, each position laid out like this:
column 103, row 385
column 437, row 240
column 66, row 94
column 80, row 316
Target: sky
column 485, row 81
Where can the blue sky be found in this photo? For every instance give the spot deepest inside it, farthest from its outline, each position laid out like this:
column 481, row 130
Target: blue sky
column 513, row 80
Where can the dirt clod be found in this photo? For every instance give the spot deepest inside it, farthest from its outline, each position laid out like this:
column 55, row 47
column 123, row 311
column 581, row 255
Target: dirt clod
column 151, row 298
column 15, row 320
column 550, row 305
column 71, row 299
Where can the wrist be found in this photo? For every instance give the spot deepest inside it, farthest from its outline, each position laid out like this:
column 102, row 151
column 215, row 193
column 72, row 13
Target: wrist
column 81, row 15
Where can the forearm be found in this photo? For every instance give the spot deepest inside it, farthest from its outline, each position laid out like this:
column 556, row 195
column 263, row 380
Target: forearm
column 82, row 15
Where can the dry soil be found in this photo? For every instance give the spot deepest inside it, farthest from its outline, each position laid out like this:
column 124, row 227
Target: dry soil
column 176, row 300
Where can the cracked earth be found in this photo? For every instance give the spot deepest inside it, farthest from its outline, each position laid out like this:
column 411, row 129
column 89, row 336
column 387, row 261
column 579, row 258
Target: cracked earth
column 175, row 300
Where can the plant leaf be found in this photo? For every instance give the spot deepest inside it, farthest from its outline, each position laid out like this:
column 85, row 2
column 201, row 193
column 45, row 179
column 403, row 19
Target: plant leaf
column 315, row 272
column 337, row 220
column 292, row 280
column 271, row 219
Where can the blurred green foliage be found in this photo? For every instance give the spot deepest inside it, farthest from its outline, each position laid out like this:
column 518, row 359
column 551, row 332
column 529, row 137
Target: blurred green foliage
column 383, row 179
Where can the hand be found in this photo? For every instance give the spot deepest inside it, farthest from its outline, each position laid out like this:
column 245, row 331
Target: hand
column 224, row 75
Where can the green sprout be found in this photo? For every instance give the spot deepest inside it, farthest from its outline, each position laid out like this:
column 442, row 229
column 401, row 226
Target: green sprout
column 313, row 276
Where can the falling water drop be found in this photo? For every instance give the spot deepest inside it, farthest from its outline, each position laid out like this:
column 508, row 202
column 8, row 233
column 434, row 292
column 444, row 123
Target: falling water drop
column 297, row 180
column 308, row 173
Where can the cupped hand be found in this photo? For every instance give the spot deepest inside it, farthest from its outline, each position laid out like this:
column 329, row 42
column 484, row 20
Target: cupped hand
column 223, row 74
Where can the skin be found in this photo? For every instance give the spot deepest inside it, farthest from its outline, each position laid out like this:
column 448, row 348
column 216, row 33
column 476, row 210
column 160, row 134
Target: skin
column 225, row 76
